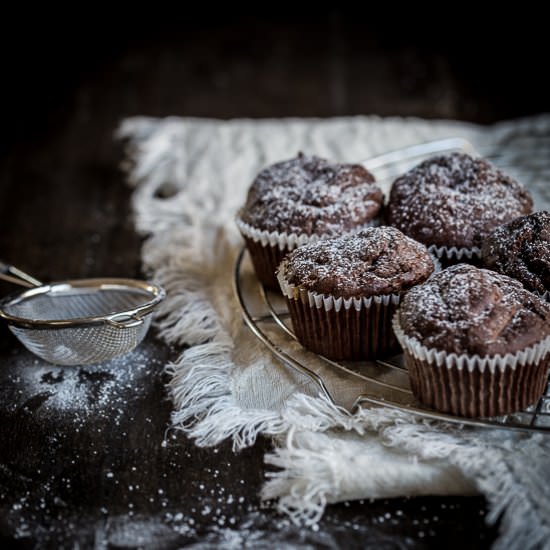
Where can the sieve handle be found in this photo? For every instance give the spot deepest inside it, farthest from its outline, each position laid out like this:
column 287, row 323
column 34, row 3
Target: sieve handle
column 14, row 275
column 125, row 321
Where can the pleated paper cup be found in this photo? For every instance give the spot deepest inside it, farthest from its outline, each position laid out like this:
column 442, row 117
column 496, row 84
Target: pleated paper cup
column 450, row 255
column 341, row 328
column 542, row 295
column 267, row 249
column 474, row 386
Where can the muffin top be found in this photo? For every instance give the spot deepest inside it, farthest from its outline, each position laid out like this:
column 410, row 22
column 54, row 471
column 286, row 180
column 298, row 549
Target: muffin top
column 464, row 309
column 309, row 195
column 375, row 261
column 455, row 200
column 521, row 249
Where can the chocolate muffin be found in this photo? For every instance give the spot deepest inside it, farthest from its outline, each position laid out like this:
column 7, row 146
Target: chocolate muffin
column 302, row 200
column 476, row 342
column 521, row 249
column 342, row 292
column 452, row 202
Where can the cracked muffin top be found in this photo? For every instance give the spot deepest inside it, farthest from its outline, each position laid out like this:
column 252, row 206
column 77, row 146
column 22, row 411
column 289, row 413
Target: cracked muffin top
column 464, row 309
column 309, row 195
column 455, row 200
column 521, row 249
column 375, row 261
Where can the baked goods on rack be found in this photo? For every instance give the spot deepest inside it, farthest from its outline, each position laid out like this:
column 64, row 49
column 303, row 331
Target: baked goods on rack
column 521, row 249
column 302, row 200
column 452, row 202
column 342, row 292
column 476, row 343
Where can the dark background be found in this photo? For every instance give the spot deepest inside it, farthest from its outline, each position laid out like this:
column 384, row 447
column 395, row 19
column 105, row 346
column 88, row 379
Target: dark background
column 285, row 60
column 67, row 81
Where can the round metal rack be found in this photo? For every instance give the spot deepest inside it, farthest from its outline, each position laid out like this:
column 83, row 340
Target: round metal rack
column 381, row 382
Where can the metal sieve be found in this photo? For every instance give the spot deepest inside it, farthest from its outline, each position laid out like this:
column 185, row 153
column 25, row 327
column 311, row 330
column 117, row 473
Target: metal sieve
column 81, row 321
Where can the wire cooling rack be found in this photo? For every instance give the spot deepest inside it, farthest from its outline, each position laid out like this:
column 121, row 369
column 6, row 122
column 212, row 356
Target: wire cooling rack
column 386, row 382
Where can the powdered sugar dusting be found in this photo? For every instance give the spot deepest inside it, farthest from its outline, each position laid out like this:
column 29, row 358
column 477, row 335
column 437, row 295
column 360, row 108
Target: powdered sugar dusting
column 455, row 200
column 464, row 309
column 521, row 249
column 309, row 195
column 86, row 391
column 374, row 261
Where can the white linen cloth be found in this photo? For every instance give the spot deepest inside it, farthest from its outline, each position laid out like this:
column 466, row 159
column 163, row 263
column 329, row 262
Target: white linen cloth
column 190, row 178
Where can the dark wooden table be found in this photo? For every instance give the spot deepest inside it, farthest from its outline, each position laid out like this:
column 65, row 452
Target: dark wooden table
column 85, row 456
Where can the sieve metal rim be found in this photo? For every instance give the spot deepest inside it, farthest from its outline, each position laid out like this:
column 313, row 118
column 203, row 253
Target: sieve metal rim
column 120, row 319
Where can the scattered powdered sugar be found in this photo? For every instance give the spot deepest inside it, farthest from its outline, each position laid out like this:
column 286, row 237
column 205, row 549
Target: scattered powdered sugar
column 455, row 200
column 309, row 195
column 464, row 309
column 374, row 261
column 219, row 518
column 521, row 249
column 87, row 389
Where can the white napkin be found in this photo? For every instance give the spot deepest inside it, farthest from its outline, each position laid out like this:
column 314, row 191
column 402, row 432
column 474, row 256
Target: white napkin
column 191, row 176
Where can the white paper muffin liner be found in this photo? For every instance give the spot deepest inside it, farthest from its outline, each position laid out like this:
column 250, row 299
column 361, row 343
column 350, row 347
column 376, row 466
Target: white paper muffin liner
column 542, row 295
column 290, row 241
column 452, row 253
column 532, row 354
column 471, row 385
column 327, row 302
